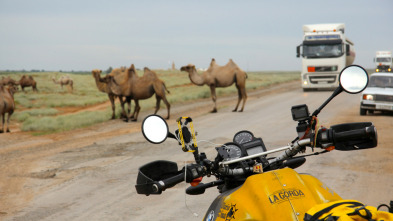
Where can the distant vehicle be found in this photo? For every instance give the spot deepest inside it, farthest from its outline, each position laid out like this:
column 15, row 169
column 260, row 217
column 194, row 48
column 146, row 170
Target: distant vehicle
column 325, row 51
column 383, row 61
column 378, row 96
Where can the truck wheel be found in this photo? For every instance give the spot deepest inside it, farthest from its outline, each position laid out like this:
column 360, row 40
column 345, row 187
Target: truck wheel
column 363, row 111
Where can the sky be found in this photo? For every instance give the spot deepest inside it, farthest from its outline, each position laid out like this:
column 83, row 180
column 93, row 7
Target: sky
column 260, row 35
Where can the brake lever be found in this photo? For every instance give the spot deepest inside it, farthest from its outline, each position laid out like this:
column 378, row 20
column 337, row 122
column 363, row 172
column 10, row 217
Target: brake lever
column 200, row 189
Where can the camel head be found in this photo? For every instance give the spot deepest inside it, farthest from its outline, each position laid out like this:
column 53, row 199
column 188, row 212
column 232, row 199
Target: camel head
column 188, row 68
column 96, row 72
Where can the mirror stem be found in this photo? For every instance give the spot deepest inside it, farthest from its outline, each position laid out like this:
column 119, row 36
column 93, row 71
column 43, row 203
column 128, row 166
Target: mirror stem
column 171, row 135
column 336, row 92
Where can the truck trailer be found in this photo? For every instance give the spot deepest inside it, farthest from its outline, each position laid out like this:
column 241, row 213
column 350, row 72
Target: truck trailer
column 325, row 51
column 383, row 61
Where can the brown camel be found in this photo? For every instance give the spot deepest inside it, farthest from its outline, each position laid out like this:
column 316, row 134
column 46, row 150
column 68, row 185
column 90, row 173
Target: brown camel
column 140, row 88
column 103, row 87
column 27, row 81
column 64, row 80
column 8, row 81
column 7, row 104
column 220, row 76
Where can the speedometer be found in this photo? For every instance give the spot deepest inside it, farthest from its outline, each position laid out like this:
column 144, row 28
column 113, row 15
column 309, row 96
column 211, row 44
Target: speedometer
column 243, row 136
column 233, row 150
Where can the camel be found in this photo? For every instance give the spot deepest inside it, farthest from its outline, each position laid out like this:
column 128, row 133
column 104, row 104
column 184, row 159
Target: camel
column 103, row 87
column 64, row 80
column 220, row 76
column 27, row 81
column 8, row 81
column 140, row 88
column 7, row 104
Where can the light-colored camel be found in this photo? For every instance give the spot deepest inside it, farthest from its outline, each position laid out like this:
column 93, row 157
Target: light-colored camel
column 27, row 81
column 140, row 88
column 64, row 80
column 7, row 104
column 103, row 87
column 220, row 76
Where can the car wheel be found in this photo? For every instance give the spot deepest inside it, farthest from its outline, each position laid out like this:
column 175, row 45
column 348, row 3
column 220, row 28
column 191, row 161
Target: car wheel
column 371, row 111
column 363, row 111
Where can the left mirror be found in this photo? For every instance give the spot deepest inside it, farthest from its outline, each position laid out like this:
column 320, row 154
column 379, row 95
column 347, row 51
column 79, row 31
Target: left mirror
column 155, row 129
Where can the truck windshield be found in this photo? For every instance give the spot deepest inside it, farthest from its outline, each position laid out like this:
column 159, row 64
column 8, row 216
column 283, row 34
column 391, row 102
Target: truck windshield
column 322, row 51
column 384, row 59
column 381, row 81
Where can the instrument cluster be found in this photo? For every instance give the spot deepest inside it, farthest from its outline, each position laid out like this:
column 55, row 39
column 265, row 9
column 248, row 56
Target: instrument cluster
column 244, row 144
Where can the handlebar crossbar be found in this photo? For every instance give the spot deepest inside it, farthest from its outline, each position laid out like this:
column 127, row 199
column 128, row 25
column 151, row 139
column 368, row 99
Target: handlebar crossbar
column 255, row 155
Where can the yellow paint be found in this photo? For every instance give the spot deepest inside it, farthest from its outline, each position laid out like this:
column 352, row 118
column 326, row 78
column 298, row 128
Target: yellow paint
column 275, row 195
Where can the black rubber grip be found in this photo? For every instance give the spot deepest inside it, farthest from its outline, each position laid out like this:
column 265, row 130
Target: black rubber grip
column 354, row 134
column 171, row 181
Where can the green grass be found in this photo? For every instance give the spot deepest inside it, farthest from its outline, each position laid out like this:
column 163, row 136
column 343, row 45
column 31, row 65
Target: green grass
column 41, row 112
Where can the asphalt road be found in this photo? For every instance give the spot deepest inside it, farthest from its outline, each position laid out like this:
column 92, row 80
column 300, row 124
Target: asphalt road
column 106, row 190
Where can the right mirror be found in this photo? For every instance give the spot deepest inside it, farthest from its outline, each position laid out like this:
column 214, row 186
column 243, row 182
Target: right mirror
column 353, row 79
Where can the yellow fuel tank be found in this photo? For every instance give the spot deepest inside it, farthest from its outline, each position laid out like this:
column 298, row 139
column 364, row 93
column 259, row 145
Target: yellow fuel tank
column 275, row 195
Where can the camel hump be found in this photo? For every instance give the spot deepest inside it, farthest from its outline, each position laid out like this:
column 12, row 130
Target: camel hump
column 231, row 62
column 132, row 67
column 213, row 62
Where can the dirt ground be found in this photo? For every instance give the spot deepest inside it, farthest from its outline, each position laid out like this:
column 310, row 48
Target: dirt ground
column 24, row 157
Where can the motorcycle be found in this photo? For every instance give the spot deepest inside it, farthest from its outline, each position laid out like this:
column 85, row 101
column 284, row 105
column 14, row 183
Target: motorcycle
column 252, row 185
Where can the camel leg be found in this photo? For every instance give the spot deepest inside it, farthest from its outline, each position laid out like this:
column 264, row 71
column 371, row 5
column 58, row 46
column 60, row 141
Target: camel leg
column 2, row 123
column 128, row 100
column 137, row 109
column 168, row 106
column 112, row 99
column 158, row 101
column 244, row 96
column 8, row 122
column 214, row 98
column 238, row 99
column 123, row 112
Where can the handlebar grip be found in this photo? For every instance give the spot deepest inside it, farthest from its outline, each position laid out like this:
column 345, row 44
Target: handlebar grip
column 168, row 183
column 349, row 136
column 354, row 134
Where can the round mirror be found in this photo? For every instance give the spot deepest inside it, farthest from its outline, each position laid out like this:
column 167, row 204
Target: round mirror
column 353, row 79
column 155, row 129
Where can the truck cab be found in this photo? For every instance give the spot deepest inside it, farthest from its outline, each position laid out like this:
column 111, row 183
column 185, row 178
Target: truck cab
column 325, row 51
column 383, row 61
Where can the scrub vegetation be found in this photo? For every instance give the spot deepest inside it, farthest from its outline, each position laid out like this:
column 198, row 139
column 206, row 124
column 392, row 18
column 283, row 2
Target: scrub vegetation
column 55, row 109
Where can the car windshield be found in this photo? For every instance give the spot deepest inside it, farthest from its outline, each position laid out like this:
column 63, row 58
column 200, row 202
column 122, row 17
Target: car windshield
column 381, row 81
column 322, row 51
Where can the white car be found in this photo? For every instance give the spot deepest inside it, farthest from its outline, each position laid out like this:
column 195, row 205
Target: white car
column 378, row 96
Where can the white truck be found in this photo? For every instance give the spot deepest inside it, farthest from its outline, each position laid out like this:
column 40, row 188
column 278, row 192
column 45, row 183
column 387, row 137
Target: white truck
column 383, row 61
column 325, row 51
